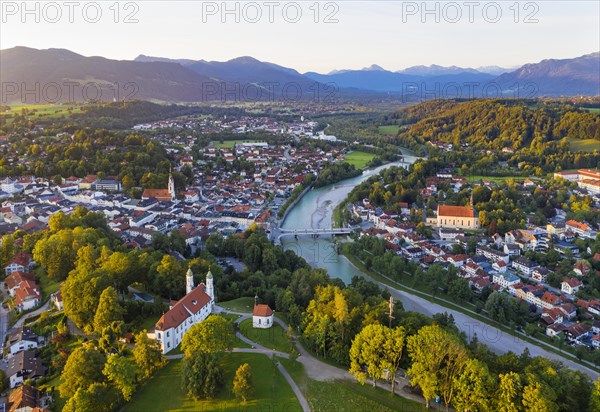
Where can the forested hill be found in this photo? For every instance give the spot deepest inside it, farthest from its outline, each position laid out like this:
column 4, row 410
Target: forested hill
column 496, row 124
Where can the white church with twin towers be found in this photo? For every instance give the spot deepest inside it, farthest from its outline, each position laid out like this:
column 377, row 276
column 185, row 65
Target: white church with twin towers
column 193, row 308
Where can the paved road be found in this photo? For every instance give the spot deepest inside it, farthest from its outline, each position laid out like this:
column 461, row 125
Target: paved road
column 39, row 310
column 3, row 326
column 497, row 340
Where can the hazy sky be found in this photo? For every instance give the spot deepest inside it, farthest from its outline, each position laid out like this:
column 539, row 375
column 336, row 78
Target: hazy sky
column 347, row 34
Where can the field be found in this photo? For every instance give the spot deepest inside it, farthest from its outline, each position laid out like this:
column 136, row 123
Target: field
column 44, row 110
column 593, row 109
column 273, row 338
column 359, row 159
column 497, row 179
column 244, row 305
column 391, row 129
column 165, row 393
column 584, row 145
column 228, row 144
column 346, row 395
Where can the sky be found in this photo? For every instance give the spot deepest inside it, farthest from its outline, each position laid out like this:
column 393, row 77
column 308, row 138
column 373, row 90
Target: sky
column 311, row 35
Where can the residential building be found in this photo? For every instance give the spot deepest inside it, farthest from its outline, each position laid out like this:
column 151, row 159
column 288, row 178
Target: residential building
column 577, row 332
column 505, row 279
column 56, row 299
column 24, row 365
column 22, row 262
column 524, row 265
column 25, row 398
column 581, row 229
column 23, row 339
column 539, row 274
column 570, row 286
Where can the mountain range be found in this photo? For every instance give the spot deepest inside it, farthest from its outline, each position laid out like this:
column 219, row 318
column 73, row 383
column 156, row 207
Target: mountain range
column 32, row 75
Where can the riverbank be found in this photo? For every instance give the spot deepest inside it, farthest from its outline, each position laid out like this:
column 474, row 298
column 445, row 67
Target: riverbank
column 292, row 201
column 495, row 335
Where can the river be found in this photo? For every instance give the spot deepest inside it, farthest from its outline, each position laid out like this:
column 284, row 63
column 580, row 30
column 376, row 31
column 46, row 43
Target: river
column 314, row 211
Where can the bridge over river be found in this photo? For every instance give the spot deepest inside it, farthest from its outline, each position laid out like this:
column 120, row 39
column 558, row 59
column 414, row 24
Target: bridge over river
column 311, row 232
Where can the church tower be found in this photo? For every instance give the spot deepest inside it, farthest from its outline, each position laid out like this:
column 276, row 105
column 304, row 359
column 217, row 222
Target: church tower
column 171, row 186
column 210, row 287
column 189, row 281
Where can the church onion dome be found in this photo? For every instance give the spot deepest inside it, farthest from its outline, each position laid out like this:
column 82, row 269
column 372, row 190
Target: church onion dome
column 189, row 272
column 209, row 275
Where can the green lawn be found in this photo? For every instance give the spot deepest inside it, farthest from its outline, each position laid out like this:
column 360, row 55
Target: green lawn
column 390, row 129
column 230, row 316
column 48, row 285
column 359, row 159
column 584, row 145
column 228, row 144
column 244, row 304
column 593, row 109
column 165, row 393
column 149, row 323
column 44, row 110
column 346, row 395
column 59, row 403
column 496, row 179
column 273, row 338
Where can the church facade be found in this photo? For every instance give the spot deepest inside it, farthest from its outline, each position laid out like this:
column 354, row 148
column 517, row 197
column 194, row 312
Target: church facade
column 193, row 308
column 162, row 195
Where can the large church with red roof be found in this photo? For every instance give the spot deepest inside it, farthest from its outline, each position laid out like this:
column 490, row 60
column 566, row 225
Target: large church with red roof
column 193, row 308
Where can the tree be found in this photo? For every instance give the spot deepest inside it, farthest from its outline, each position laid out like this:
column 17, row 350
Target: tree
column 438, row 358
column 147, row 355
column 109, row 310
column 367, row 353
column 81, row 294
column 83, row 368
column 98, row 397
column 212, row 335
column 394, row 347
column 122, row 268
column 595, row 397
column 170, row 276
column 377, row 348
column 460, row 289
column 537, row 397
column 3, row 381
column 473, row 387
column 122, row 373
column 202, row 376
column 242, row 382
column 508, row 394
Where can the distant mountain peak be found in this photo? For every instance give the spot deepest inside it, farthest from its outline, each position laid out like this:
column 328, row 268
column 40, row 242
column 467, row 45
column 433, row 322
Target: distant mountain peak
column 435, row 69
column 374, row 67
column 244, row 60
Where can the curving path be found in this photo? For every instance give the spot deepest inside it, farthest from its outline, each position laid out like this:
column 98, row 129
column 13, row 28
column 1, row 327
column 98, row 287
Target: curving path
column 315, row 369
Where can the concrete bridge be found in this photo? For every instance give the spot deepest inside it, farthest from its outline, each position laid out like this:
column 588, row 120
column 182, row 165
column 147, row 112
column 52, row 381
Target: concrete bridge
column 312, row 232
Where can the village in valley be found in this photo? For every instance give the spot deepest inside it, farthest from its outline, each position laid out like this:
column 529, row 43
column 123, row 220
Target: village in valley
column 161, row 258
column 498, row 262
column 250, row 207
